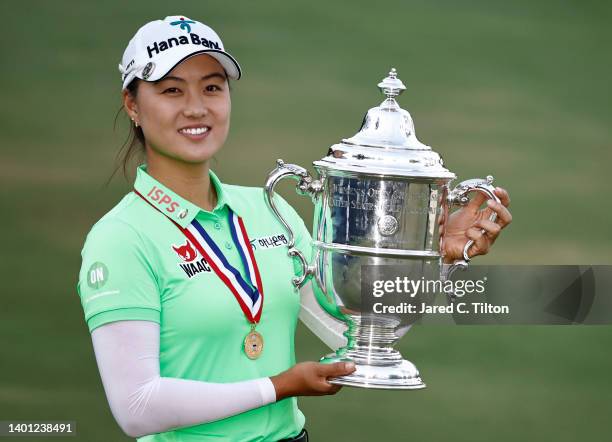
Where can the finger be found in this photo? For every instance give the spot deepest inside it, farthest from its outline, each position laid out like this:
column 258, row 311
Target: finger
column 504, row 217
column 491, row 229
column 333, row 388
column 481, row 243
column 503, row 196
column 477, row 201
column 441, row 218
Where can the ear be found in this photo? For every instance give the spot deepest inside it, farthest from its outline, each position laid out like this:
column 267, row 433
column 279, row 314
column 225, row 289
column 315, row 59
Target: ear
column 129, row 104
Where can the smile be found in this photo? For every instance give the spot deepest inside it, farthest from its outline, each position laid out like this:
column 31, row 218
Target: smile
column 195, row 132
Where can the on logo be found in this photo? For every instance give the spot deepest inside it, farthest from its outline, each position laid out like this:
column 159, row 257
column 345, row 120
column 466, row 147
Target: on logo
column 97, row 275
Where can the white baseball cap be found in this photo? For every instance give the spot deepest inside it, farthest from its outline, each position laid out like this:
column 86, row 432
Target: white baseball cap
column 160, row 45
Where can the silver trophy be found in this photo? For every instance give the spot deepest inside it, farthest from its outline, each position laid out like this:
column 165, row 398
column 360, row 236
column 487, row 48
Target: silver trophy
column 381, row 198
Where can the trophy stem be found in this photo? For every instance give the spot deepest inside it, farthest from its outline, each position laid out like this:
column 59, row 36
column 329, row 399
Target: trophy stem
column 378, row 364
column 371, row 340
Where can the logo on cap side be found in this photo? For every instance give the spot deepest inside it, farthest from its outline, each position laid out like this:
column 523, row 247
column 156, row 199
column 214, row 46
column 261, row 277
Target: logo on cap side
column 148, row 70
column 184, row 24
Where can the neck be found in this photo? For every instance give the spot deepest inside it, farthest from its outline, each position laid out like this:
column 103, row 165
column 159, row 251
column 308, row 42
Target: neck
column 190, row 181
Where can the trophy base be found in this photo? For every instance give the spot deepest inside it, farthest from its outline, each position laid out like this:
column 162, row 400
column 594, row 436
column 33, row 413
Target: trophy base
column 399, row 376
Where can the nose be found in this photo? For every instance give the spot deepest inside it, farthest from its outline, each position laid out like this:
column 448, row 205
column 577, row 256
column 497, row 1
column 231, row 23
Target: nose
column 195, row 106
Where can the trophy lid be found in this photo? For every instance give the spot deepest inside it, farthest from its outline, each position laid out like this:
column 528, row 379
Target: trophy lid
column 386, row 143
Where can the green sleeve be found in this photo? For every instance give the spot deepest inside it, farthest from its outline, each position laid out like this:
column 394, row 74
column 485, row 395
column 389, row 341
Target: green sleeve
column 116, row 280
column 123, row 314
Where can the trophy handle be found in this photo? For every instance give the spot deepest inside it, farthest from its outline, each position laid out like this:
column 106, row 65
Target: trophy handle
column 306, row 185
column 459, row 196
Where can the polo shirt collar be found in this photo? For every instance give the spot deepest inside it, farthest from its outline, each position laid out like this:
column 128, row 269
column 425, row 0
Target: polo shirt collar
column 171, row 204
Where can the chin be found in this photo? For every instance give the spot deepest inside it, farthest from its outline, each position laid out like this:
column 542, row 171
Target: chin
column 188, row 152
column 194, row 157
column 192, row 153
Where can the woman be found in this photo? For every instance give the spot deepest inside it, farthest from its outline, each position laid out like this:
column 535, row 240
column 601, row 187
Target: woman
column 172, row 290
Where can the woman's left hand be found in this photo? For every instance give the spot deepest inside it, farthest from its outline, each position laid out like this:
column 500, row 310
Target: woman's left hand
column 471, row 222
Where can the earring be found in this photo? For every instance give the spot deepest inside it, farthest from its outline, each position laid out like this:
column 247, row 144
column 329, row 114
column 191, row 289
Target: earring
column 135, row 122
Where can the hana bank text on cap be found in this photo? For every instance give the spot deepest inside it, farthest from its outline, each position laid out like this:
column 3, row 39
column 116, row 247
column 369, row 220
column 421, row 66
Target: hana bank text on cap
column 160, row 45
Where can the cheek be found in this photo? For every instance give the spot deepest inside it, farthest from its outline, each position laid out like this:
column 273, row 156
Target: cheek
column 156, row 113
column 223, row 117
column 159, row 122
column 225, row 111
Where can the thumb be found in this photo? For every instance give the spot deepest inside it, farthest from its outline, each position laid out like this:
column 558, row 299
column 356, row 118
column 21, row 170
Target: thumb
column 338, row 369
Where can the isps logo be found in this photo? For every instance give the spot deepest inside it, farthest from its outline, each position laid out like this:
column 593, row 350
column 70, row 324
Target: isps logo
column 162, row 199
column 190, row 264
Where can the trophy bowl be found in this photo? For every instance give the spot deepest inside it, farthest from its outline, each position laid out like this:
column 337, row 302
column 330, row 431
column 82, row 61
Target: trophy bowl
column 380, row 199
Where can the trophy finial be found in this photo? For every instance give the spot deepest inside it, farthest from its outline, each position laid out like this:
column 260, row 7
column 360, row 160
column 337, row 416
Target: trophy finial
column 391, row 86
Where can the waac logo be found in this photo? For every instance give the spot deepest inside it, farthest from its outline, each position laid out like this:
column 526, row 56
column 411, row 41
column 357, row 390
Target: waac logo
column 190, row 265
column 186, row 252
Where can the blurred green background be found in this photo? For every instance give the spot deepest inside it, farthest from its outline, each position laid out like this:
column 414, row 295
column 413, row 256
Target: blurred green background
column 517, row 89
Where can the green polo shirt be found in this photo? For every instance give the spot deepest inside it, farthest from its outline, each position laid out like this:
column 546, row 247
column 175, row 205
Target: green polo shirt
column 137, row 265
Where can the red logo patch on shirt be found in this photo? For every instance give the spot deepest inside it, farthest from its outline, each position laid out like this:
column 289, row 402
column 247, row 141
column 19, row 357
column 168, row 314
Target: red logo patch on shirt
column 186, row 252
column 190, row 265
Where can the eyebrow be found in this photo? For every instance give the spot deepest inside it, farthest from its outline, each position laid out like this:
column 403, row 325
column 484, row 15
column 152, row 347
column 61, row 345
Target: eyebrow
column 205, row 77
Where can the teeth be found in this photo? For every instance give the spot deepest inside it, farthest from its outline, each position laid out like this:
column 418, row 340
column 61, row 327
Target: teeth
column 195, row 131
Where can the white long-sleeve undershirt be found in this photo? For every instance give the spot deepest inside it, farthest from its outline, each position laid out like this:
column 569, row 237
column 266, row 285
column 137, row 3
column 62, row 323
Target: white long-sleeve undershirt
column 143, row 402
column 327, row 328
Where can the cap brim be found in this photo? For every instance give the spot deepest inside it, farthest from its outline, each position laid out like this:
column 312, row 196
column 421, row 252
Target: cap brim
column 229, row 64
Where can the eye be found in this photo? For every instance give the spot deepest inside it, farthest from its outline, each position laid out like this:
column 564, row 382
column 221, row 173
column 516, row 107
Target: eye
column 170, row 90
column 212, row 88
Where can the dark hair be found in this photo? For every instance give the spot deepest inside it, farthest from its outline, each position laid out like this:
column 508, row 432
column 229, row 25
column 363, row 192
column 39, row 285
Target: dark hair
column 135, row 141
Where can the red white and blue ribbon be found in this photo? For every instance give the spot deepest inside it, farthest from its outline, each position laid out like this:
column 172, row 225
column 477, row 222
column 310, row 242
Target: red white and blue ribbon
column 248, row 292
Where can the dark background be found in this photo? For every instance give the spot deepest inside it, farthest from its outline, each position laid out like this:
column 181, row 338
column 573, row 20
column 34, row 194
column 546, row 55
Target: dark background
column 516, row 89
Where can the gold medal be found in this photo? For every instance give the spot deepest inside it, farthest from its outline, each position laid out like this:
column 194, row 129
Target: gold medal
column 253, row 344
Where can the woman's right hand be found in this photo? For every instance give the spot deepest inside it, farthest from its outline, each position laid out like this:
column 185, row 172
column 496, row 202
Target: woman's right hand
column 310, row 379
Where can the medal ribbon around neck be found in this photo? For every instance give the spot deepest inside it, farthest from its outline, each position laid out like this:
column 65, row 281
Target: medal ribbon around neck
column 249, row 294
